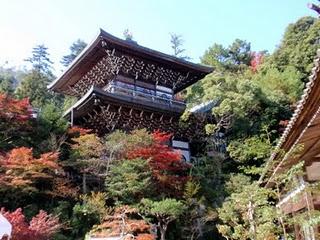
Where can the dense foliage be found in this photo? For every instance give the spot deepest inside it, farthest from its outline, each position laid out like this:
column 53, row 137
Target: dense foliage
column 67, row 183
column 254, row 95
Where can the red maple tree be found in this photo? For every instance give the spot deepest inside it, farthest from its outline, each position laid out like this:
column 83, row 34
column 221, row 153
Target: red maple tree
column 257, row 58
column 41, row 227
column 166, row 164
column 10, row 108
column 21, row 169
column 76, row 131
column 14, row 116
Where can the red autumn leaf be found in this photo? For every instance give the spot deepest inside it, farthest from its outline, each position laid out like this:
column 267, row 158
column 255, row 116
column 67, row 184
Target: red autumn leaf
column 166, row 163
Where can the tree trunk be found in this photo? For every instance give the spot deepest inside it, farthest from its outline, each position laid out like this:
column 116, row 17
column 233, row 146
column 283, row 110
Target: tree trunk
column 251, row 219
column 199, row 226
column 84, row 182
column 163, row 230
column 280, row 217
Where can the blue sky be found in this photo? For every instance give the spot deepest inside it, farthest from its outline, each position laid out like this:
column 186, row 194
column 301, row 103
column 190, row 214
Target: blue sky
column 57, row 23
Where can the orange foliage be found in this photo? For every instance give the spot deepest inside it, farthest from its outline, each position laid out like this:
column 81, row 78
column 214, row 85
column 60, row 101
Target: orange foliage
column 21, row 170
column 62, row 187
column 161, row 157
column 14, row 116
column 23, row 158
column 76, row 131
column 11, row 108
column 122, row 222
column 145, row 236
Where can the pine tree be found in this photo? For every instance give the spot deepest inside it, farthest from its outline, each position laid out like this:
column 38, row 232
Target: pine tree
column 164, row 211
column 176, row 45
column 34, row 84
column 75, row 49
column 40, row 60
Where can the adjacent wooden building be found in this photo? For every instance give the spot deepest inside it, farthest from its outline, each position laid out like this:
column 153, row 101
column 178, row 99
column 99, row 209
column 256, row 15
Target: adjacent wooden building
column 303, row 132
column 122, row 85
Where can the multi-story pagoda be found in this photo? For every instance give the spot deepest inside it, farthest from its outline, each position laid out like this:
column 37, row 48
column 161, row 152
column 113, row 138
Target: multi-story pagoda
column 122, row 85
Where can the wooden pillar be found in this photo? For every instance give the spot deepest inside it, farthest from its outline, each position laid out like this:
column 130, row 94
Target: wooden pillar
column 71, row 117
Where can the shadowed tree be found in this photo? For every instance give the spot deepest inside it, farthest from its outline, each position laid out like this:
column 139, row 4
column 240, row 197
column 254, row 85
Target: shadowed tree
column 7, row 84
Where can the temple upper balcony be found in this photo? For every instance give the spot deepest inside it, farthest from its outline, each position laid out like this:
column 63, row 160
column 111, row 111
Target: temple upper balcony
column 156, row 95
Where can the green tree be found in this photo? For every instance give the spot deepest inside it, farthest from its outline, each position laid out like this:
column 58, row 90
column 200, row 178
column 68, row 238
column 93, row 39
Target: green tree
column 50, row 130
column 195, row 216
column 40, row 60
column 247, row 213
column 68, row 102
column 240, row 52
column 75, row 50
column 298, row 46
column 177, row 46
column 249, row 107
column 233, row 58
column 34, row 84
column 209, row 171
column 129, row 181
column 280, row 86
column 7, row 83
column 91, row 210
column 34, row 87
column 165, row 212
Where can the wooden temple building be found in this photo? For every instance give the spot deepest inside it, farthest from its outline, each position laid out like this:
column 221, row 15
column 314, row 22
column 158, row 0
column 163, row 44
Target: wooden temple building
column 122, row 85
column 300, row 142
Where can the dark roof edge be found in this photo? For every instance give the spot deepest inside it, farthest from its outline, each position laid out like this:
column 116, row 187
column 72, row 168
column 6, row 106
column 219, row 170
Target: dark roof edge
column 155, row 53
column 81, row 55
column 80, row 101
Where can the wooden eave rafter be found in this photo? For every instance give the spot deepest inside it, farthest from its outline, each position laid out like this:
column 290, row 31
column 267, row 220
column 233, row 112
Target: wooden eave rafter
column 95, row 51
column 300, row 129
column 96, row 94
column 105, row 112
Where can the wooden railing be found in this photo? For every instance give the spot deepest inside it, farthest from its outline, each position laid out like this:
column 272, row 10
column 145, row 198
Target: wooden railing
column 113, row 88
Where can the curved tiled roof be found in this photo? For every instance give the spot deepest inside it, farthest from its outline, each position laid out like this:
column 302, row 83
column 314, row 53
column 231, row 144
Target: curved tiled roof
column 302, row 102
column 297, row 119
column 91, row 54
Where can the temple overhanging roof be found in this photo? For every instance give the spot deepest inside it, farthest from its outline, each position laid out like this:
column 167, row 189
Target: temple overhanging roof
column 95, row 95
column 105, row 112
column 303, row 129
column 108, row 55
